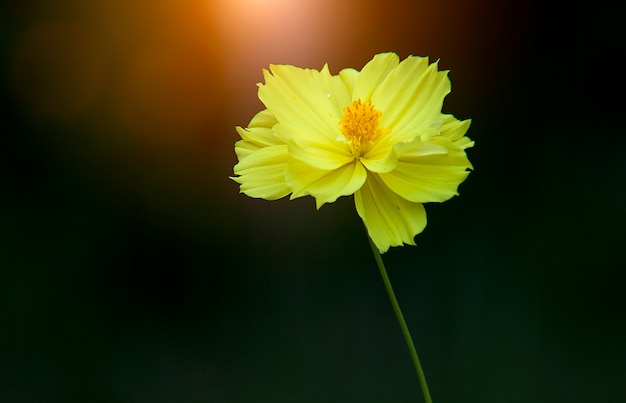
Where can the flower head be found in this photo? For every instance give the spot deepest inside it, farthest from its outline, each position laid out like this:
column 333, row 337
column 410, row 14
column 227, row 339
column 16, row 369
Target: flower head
column 378, row 134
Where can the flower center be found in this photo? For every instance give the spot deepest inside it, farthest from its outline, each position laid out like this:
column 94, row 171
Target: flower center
column 359, row 125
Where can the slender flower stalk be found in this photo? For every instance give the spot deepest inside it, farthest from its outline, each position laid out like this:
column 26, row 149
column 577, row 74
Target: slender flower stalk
column 402, row 323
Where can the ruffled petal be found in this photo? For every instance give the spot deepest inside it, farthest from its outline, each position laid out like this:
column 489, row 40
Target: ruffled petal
column 262, row 173
column 316, row 152
column 325, row 185
column 428, row 171
column 390, row 220
column 372, row 74
column 349, row 77
column 298, row 98
column 245, row 148
column 337, row 92
column 455, row 130
column 257, row 135
column 381, row 158
column 263, row 118
column 411, row 97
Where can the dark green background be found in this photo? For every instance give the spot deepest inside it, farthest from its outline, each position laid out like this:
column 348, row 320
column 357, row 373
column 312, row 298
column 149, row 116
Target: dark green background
column 133, row 271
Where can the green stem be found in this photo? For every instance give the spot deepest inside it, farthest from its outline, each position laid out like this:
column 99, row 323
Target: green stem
column 403, row 326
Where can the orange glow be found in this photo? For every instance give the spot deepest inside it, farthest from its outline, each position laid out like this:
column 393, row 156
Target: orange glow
column 269, row 29
column 160, row 85
column 166, row 88
column 255, row 33
column 58, row 70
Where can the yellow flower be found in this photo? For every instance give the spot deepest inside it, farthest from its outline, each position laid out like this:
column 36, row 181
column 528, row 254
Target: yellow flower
column 378, row 134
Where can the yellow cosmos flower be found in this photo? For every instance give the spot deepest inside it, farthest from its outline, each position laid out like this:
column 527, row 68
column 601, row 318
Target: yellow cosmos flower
column 378, row 134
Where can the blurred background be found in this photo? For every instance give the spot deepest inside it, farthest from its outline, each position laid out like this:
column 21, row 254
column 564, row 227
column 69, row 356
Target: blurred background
column 132, row 270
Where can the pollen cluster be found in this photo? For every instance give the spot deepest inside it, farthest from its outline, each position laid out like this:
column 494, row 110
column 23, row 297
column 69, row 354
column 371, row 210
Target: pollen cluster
column 360, row 126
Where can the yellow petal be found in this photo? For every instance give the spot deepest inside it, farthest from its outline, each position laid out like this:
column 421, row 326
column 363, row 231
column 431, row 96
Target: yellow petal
column 455, row 130
column 411, row 97
column 325, row 185
column 245, row 148
column 297, row 97
column 264, row 118
column 428, row 171
column 381, row 158
column 257, row 135
column 390, row 220
column 349, row 76
column 372, row 74
column 321, row 153
column 262, row 173
column 337, row 92
column 254, row 139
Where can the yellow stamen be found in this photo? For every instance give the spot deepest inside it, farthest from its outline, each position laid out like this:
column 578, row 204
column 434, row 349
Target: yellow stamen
column 359, row 124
